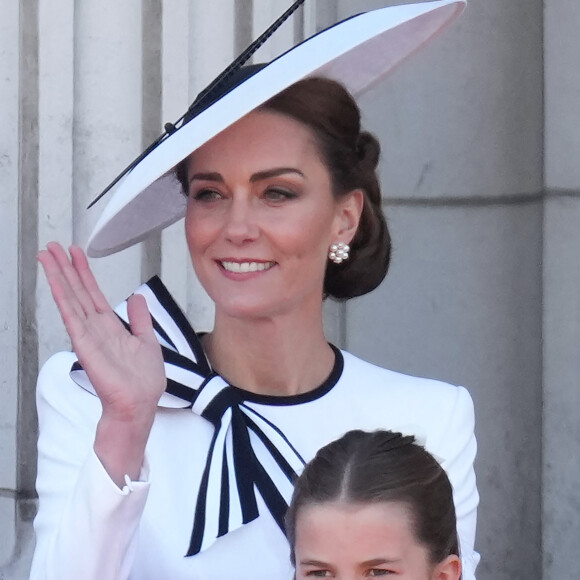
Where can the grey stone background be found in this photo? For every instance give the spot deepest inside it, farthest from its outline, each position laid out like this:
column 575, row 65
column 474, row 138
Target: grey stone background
column 481, row 177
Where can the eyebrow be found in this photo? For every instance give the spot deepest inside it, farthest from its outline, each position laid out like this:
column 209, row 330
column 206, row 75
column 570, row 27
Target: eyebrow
column 373, row 562
column 316, row 563
column 260, row 175
column 379, row 561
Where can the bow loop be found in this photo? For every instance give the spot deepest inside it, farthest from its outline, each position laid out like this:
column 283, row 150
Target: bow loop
column 248, row 455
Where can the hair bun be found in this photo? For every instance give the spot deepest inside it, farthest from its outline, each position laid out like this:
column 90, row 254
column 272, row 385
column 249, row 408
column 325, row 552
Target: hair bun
column 368, row 149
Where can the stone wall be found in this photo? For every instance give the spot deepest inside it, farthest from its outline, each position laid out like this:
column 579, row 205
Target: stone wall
column 561, row 297
column 481, row 186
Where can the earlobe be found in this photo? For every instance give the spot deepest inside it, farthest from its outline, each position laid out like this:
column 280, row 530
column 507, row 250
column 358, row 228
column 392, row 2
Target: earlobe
column 448, row 569
column 349, row 212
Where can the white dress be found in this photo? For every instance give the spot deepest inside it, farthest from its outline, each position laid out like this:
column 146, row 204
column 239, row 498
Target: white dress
column 87, row 528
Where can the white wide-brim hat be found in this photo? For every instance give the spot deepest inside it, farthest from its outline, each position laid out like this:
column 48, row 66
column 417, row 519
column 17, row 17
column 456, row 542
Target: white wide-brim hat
column 356, row 52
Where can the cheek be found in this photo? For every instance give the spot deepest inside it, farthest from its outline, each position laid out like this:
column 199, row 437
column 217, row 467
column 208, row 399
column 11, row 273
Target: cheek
column 191, row 230
column 317, row 244
column 313, row 236
column 198, row 228
column 307, row 247
column 197, row 237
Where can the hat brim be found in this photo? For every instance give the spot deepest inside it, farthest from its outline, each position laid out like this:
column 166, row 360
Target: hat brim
column 357, row 52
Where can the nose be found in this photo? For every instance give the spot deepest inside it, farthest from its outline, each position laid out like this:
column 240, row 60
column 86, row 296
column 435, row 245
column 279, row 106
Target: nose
column 241, row 223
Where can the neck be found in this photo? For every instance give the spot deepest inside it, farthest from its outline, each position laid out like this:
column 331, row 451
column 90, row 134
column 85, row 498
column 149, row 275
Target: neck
column 285, row 355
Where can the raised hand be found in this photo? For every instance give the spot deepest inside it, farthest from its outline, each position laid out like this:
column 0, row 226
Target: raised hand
column 125, row 368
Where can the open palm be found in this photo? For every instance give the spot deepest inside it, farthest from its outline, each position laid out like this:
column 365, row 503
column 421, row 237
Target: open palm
column 125, row 368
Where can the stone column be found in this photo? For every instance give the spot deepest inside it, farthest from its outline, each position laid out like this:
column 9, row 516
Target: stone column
column 561, row 458
column 107, row 121
column 461, row 129
column 84, row 88
column 14, row 49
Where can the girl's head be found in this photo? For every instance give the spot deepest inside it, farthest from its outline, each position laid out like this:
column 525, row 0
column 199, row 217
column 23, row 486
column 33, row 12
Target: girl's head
column 373, row 503
column 350, row 156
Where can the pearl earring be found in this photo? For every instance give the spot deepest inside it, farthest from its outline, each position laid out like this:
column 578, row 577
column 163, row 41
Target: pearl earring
column 338, row 252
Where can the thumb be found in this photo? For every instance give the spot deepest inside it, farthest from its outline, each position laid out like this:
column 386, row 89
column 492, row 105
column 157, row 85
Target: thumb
column 140, row 318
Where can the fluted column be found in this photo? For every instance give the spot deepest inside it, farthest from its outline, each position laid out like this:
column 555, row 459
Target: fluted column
column 107, row 120
column 10, row 51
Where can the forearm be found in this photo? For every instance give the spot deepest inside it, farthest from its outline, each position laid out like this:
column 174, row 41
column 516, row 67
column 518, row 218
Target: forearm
column 86, row 523
column 93, row 536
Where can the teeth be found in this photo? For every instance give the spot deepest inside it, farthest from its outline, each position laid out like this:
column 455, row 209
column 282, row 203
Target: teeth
column 244, row 267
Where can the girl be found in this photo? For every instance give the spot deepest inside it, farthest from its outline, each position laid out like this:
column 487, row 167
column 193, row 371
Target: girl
column 373, row 504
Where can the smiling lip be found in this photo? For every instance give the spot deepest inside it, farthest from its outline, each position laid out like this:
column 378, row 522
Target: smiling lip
column 245, row 266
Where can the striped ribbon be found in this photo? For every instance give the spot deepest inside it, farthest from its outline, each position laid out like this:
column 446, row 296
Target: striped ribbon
column 247, row 455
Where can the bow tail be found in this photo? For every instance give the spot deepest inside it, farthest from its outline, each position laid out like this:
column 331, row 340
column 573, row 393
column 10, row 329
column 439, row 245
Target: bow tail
column 257, row 470
column 276, row 443
column 227, row 482
column 224, row 514
column 244, row 467
column 276, row 464
column 276, row 503
column 207, row 521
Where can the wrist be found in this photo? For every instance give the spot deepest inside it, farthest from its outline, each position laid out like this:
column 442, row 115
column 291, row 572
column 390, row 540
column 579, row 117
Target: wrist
column 120, row 445
column 128, row 415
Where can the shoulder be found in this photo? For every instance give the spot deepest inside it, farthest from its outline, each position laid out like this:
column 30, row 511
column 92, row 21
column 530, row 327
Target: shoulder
column 440, row 414
column 377, row 381
column 430, row 408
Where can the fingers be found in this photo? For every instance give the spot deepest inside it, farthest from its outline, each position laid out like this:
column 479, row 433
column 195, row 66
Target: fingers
column 81, row 264
column 73, row 287
column 61, row 292
column 74, row 280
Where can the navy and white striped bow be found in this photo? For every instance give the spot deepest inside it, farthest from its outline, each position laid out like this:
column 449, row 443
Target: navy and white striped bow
column 247, row 454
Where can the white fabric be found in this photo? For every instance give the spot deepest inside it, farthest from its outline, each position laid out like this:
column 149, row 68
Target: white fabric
column 87, row 528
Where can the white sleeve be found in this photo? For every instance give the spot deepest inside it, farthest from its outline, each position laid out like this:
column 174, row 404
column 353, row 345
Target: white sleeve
column 86, row 526
column 457, row 447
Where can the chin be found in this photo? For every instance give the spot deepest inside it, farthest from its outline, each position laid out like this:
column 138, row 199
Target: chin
column 254, row 308
column 239, row 308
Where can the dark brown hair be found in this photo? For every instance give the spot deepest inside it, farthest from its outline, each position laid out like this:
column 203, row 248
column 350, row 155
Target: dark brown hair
column 351, row 156
column 381, row 466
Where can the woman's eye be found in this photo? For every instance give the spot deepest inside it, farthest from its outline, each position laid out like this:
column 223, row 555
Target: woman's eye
column 319, row 574
column 278, row 194
column 378, row 572
column 206, row 195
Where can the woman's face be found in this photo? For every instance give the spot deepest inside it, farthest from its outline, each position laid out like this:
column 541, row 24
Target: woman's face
column 356, row 541
column 261, row 216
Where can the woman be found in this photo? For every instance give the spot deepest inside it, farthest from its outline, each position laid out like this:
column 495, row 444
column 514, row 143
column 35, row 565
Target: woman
column 373, row 504
column 182, row 465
